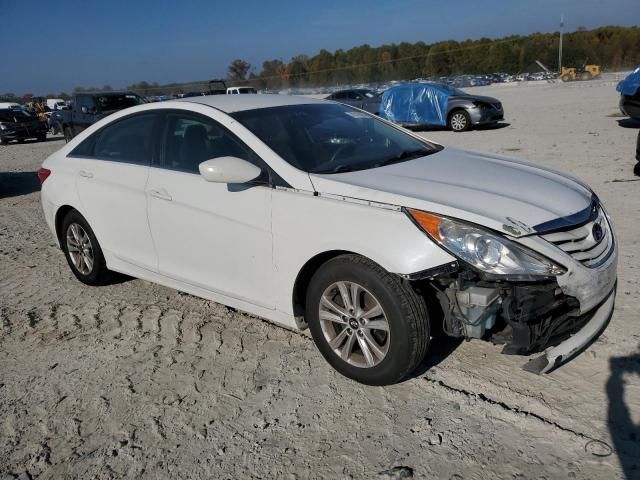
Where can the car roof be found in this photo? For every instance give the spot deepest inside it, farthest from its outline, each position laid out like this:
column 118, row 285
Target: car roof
column 238, row 103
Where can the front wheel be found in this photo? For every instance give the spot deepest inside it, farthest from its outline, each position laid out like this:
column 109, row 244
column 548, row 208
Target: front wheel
column 459, row 121
column 370, row 325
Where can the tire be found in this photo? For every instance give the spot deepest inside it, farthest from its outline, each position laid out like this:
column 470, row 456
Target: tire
column 584, row 76
column 566, row 77
column 68, row 135
column 42, row 138
column 4, row 141
column 459, row 121
column 21, row 140
column 398, row 350
column 95, row 273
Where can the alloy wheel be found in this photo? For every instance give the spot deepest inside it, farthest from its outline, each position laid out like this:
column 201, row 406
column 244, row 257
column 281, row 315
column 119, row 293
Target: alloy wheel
column 80, row 249
column 354, row 324
column 458, row 122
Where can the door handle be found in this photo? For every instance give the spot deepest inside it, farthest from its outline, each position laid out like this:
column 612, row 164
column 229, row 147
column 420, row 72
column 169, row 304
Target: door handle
column 161, row 194
column 85, row 174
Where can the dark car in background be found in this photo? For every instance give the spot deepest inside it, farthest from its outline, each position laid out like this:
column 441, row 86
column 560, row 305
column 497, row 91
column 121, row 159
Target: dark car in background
column 358, row 97
column 630, row 105
column 88, row 108
column 427, row 104
column 629, row 89
column 20, row 125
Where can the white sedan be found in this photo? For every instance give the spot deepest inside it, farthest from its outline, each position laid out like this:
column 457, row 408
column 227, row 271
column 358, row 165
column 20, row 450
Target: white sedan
column 314, row 214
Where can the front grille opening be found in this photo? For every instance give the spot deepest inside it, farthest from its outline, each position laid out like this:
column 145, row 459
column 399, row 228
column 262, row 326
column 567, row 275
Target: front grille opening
column 589, row 244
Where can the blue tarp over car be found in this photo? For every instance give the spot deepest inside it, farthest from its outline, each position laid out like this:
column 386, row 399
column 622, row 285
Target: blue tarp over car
column 416, row 103
column 630, row 85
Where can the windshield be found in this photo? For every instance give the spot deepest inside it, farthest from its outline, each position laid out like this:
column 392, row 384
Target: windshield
column 331, row 138
column 14, row 115
column 118, row 102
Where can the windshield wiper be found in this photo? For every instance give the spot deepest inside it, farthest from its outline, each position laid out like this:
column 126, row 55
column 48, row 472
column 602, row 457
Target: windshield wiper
column 406, row 155
column 338, row 169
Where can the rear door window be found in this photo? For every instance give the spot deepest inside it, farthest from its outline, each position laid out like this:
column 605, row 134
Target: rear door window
column 129, row 140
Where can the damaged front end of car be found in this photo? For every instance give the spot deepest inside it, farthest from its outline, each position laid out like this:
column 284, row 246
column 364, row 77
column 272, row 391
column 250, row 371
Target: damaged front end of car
column 550, row 291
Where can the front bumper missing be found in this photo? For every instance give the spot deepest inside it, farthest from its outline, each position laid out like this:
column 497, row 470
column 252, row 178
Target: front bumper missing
column 553, row 357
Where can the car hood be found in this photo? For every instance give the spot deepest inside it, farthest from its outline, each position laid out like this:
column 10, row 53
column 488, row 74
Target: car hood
column 507, row 195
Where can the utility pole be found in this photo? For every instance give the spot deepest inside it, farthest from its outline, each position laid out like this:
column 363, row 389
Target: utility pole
column 560, row 49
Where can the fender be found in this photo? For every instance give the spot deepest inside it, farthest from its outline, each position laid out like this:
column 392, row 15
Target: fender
column 382, row 233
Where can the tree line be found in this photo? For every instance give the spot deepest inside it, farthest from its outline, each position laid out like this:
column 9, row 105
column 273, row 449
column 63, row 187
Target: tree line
column 610, row 47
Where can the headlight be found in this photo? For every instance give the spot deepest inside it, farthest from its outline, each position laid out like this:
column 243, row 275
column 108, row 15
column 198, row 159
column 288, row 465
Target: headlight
column 485, row 250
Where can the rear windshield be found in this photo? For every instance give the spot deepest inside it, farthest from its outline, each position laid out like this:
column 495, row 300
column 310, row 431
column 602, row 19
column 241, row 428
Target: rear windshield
column 14, row 115
column 331, row 138
column 118, row 102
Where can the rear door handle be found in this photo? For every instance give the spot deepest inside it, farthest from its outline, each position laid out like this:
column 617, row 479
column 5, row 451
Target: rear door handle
column 85, row 174
column 161, row 194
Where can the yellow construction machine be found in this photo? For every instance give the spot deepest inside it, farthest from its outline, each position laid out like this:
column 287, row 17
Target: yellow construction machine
column 585, row 72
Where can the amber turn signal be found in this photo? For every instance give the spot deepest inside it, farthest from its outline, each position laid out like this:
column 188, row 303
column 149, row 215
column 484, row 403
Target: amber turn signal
column 427, row 221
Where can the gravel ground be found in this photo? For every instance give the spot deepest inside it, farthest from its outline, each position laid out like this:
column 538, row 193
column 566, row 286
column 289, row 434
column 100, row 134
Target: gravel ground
column 135, row 380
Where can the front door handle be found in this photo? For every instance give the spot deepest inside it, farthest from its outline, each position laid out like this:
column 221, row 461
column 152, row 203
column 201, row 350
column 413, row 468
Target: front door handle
column 85, row 174
column 161, row 194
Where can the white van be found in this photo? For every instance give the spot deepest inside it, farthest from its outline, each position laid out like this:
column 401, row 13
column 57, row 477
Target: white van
column 56, row 104
column 238, row 90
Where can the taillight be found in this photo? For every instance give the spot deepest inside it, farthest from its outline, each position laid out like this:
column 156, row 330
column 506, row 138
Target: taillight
column 43, row 174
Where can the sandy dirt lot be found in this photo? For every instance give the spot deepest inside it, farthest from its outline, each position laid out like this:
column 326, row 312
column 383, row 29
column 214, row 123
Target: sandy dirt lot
column 135, row 380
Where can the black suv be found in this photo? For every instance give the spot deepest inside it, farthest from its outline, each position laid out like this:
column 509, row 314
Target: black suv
column 16, row 124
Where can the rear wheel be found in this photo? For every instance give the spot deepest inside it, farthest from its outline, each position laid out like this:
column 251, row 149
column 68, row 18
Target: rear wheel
column 459, row 121
column 367, row 323
column 82, row 250
column 42, row 138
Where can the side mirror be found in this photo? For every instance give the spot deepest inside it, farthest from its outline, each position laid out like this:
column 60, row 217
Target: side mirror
column 228, row 170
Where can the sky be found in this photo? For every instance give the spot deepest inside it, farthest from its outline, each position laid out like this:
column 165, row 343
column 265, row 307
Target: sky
column 52, row 46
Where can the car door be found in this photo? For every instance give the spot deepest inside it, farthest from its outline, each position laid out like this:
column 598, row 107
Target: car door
column 112, row 171
column 212, row 235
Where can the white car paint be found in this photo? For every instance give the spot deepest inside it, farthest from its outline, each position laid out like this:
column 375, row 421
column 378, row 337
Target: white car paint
column 245, row 247
column 494, row 191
